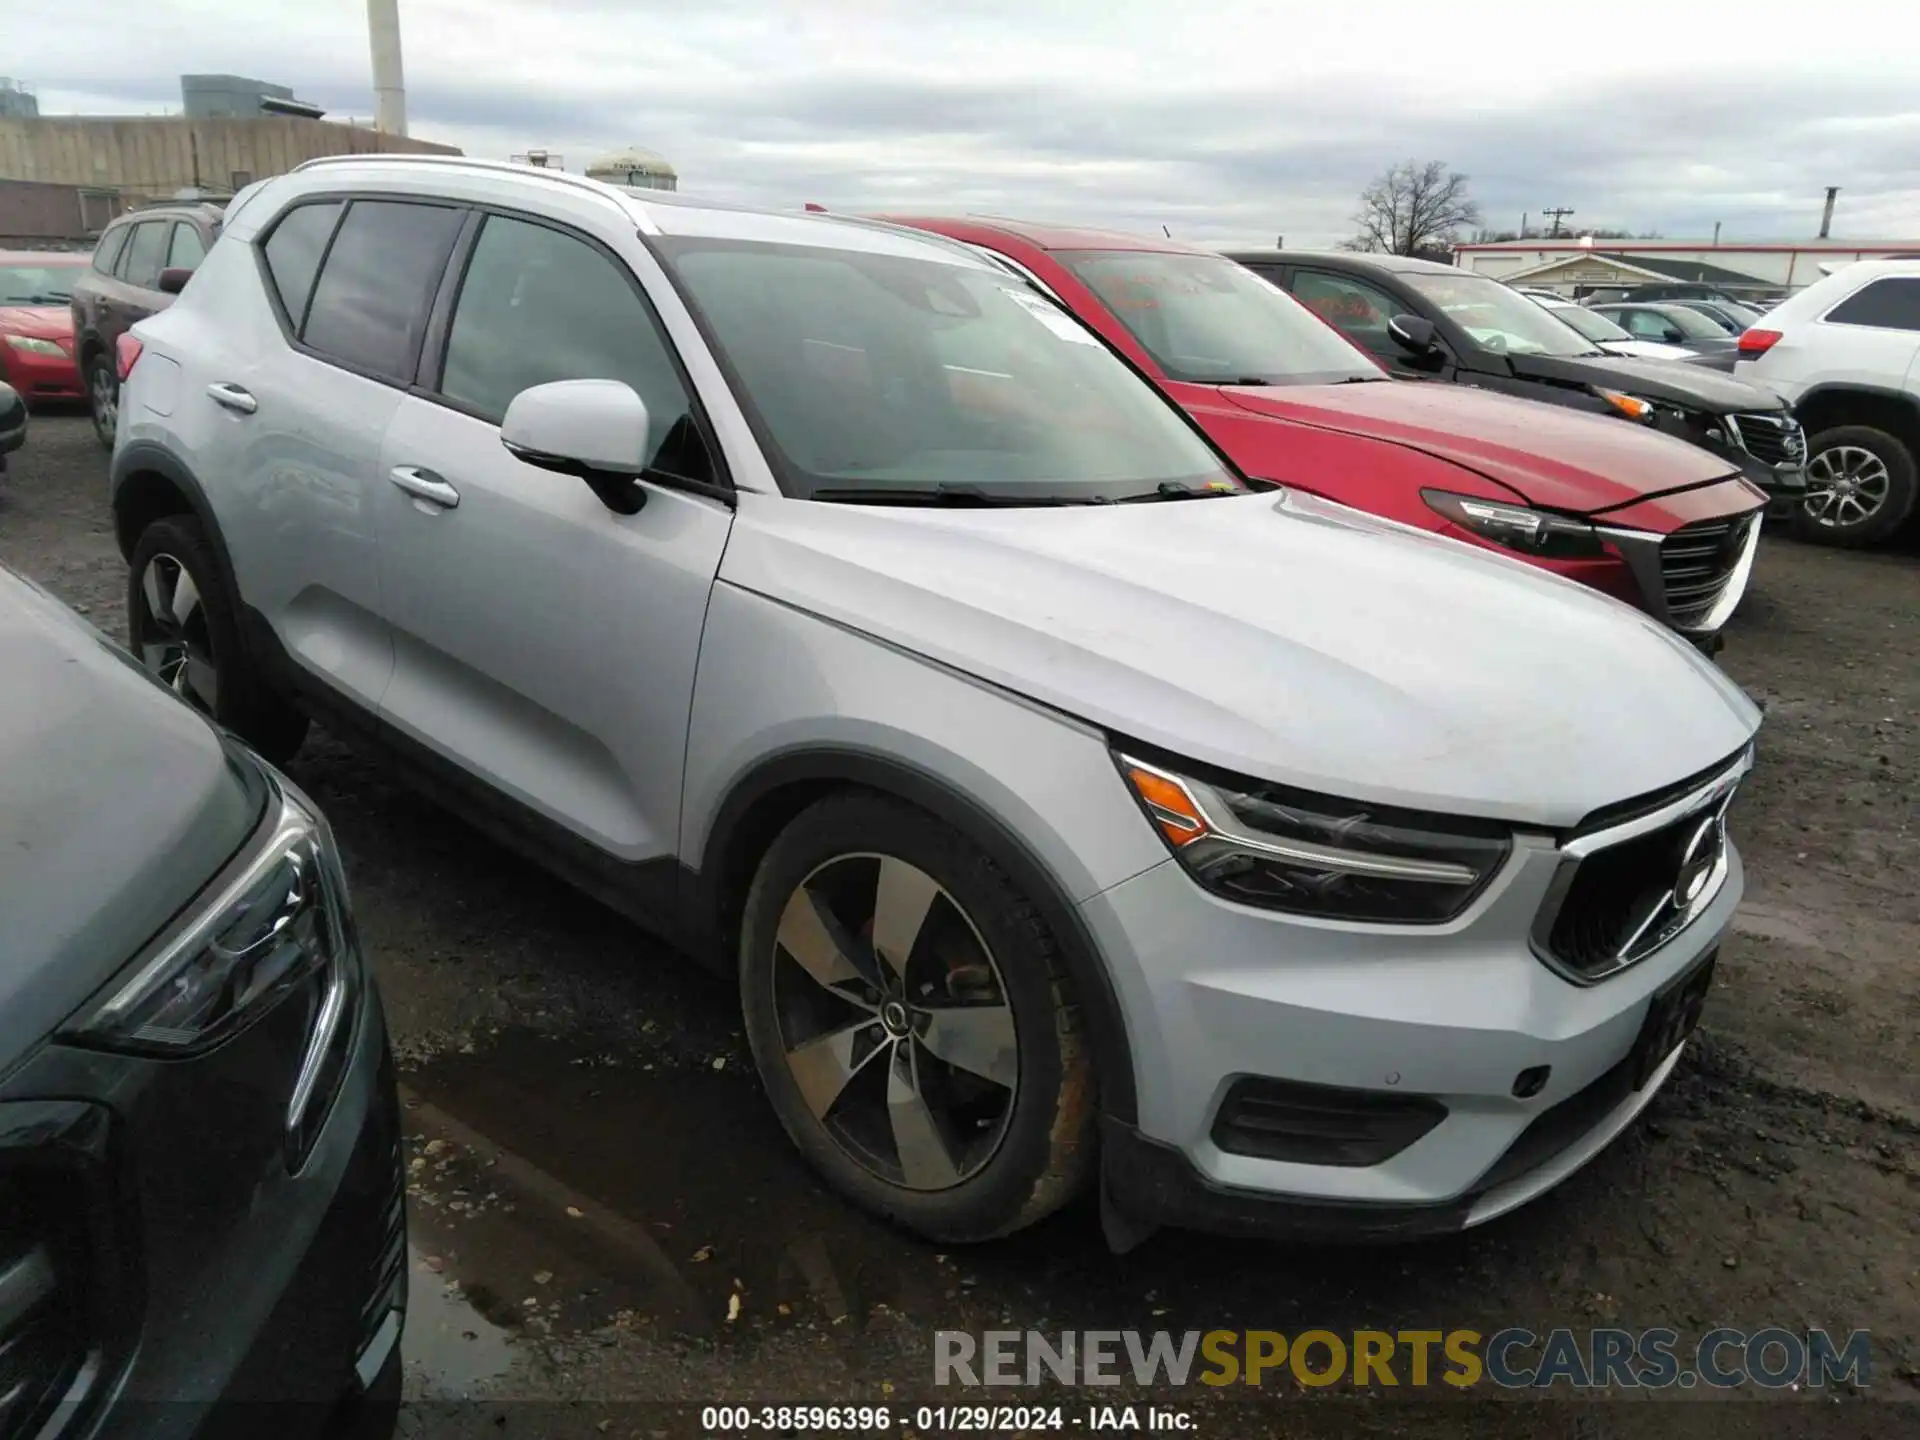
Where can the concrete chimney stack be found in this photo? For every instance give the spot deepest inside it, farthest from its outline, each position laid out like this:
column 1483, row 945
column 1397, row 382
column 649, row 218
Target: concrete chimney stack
column 389, row 84
column 1826, row 218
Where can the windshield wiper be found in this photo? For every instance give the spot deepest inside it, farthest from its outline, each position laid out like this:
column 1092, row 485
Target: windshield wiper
column 1174, row 490
column 956, row 496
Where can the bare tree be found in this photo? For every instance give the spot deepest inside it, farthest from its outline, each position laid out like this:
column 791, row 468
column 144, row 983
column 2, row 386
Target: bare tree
column 1413, row 208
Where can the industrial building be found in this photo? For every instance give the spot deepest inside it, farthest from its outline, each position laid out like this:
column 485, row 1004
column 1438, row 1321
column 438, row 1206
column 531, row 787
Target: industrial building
column 62, row 178
column 1579, row 266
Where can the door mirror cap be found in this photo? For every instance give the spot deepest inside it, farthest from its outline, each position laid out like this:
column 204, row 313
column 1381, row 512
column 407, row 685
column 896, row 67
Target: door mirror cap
column 577, row 427
column 1413, row 334
column 174, row 279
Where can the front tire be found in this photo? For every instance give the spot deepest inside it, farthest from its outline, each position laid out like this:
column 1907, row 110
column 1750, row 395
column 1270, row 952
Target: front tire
column 103, row 399
column 1860, row 487
column 913, row 1023
column 184, row 628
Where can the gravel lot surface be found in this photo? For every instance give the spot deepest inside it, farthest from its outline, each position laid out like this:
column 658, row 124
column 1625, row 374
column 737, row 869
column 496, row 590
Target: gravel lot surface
column 604, row 1210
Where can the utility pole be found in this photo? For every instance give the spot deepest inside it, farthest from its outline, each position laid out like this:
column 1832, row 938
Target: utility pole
column 1716, row 232
column 1826, row 219
column 1555, row 212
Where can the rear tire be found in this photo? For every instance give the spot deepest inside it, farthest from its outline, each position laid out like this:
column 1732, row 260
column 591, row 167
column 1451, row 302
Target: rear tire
column 927, row 1056
column 103, row 399
column 1860, row 487
column 184, row 628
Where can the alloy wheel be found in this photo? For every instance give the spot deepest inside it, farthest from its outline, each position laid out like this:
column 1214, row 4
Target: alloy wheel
column 171, row 635
column 103, row 394
column 1846, row 486
column 894, row 1021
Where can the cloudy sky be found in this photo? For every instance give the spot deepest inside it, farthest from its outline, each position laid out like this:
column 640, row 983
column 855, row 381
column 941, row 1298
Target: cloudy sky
column 1225, row 121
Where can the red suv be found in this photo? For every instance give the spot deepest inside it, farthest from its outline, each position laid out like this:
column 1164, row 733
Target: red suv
column 1651, row 519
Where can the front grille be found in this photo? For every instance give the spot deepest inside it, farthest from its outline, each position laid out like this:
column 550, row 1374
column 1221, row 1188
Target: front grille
column 1771, row 439
column 1696, row 564
column 384, row 1293
column 43, row 1318
column 1605, row 910
column 1320, row 1124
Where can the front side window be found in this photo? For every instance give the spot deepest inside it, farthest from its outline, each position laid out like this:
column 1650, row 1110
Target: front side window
column 1357, row 310
column 1209, row 321
column 188, row 249
column 1892, row 303
column 146, row 252
column 370, row 303
column 1497, row 316
column 539, row 305
column 867, row 375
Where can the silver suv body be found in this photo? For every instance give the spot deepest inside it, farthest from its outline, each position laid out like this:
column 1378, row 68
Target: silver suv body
column 827, row 600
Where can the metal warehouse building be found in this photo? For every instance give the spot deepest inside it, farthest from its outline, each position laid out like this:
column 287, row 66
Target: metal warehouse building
column 1576, row 266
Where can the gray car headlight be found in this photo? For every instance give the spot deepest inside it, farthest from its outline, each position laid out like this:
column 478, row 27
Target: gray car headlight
column 1283, row 849
column 1518, row 527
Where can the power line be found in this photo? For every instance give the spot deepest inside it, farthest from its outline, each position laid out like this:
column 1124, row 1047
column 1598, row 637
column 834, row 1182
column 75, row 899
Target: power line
column 1555, row 212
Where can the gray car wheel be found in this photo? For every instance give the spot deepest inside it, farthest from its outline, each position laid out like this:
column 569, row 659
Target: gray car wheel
column 1860, row 487
column 912, row 1023
column 103, row 399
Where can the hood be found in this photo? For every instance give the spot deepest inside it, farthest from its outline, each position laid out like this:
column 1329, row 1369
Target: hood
column 1275, row 635
column 42, row 322
column 1690, row 386
column 117, row 804
column 1548, row 454
column 1645, row 349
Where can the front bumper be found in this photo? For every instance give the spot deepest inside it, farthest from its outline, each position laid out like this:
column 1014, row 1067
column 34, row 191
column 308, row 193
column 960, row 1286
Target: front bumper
column 1216, row 992
column 42, row 377
column 244, row 1300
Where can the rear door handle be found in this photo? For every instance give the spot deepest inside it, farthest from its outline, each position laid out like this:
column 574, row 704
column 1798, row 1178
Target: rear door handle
column 425, row 485
column 232, row 397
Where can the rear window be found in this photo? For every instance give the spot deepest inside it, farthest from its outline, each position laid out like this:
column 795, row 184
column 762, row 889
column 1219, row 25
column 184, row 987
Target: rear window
column 293, row 254
column 370, row 303
column 1889, row 304
column 108, row 249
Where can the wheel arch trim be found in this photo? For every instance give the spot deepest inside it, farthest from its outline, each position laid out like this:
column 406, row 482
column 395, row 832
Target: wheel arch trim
column 815, row 766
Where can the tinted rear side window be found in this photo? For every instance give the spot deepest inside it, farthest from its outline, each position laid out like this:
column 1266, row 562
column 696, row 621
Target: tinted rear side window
column 1889, row 304
column 370, row 302
column 108, row 249
column 146, row 253
column 293, row 254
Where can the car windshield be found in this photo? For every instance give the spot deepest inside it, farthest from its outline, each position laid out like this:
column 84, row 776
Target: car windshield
column 1597, row 328
column 1499, row 317
column 37, row 284
column 1206, row 320
column 1692, row 323
column 884, row 377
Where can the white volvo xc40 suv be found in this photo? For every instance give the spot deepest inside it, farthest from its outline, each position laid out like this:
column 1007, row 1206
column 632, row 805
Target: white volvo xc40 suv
column 1070, row 808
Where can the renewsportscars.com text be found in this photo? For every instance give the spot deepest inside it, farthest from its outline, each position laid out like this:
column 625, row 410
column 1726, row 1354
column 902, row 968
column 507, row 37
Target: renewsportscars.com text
column 1772, row 1358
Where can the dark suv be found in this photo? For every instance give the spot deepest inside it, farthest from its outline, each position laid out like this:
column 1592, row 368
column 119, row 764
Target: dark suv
column 135, row 253
column 202, row 1229
column 1424, row 321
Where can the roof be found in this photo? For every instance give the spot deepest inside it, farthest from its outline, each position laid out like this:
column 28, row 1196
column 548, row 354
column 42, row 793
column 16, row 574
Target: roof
column 1616, row 262
column 1673, row 267
column 1577, row 245
column 1048, row 236
column 45, row 257
column 1351, row 259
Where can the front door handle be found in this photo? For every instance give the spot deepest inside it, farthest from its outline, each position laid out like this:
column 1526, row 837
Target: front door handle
column 232, row 397
column 425, row 485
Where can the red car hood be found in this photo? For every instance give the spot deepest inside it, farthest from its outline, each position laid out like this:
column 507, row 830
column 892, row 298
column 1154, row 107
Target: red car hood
column 42, row 322
column 1558, row 458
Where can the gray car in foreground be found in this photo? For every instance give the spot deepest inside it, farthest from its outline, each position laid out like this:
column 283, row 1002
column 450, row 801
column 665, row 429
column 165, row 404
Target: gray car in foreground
column 199, row 1131
column 1066, row 806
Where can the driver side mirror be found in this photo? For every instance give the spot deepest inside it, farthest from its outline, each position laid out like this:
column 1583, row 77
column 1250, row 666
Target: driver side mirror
column 1675, row 335
column 594, row 430
column 1412, row 334
column 174, row 279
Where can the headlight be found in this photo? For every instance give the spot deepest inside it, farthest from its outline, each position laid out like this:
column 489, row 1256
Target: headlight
column 34, row 346
column 1631, row 406
column 1531, row 532
column 1336, row 860
column 280, row 923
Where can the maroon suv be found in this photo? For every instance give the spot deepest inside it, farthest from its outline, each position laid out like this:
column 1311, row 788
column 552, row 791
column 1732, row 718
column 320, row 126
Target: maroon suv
column 124, row 285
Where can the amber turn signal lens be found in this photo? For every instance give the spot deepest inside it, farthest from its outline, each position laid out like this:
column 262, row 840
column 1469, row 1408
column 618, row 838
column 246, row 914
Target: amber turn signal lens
column 1172, row 808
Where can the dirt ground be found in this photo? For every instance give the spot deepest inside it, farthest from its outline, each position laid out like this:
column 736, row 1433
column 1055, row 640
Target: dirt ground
column 607, row 1222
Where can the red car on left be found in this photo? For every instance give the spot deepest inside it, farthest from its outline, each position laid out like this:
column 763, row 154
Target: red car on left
column 36, row 324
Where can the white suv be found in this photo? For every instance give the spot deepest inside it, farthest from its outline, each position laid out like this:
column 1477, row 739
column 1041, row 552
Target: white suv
column 823, row 597
column 1845, row 353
